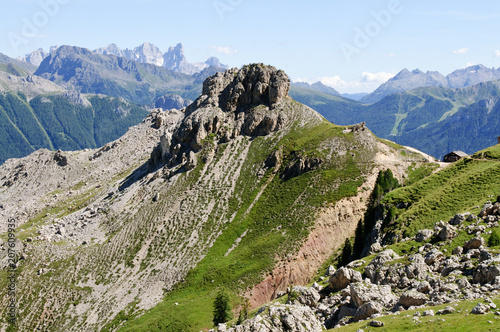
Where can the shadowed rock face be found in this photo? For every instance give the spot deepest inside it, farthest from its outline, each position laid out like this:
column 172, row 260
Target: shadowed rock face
column 233, row 103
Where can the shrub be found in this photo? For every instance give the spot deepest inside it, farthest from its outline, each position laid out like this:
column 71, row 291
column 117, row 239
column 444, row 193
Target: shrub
column 494, row 239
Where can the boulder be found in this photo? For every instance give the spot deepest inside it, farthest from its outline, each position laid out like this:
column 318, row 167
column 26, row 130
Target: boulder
column 480, row 309
column 424, row 235
column 446, row 311
column 60, row 158
column 486, row 210
column 429, row 313
column 362, row 293
column 282, row 318
column 459, row 218
column 433, row 256
column 346, row 311
column 376, row 323
column 303, row 295
column 343, row 277
column 448, row 232
column 417, row 267
column 412, row 299
column 330, row 271
column 377, row 262
column 474, row 243
column 485, row 273
column 424, row 287
column 367, row 310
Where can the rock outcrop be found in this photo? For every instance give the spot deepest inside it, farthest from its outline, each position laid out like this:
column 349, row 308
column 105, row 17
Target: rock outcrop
column 233, row 103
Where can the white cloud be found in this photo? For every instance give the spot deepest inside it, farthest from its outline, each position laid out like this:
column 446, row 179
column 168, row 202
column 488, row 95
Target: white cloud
column 497, row 53
column 367, row 82
column 461, row 51
column 381, row 77
column 391, row 55
column 227, row 50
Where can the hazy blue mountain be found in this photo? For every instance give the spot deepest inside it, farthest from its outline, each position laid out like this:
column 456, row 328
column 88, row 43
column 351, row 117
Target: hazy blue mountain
column 318, row 86
column 406, row 80
column 472, row 75
column 354, row 96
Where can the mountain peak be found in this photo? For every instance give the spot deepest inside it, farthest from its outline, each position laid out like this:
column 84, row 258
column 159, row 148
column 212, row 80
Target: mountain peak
column 255, row 84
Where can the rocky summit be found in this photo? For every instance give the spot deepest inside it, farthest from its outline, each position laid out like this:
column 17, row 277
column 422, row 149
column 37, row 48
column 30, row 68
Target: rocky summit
column 245, row 190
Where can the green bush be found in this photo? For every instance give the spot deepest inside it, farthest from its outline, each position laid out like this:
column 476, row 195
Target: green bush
column 494, row 239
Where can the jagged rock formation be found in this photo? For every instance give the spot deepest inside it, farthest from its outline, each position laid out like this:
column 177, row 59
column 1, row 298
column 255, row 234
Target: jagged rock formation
column 224, row 110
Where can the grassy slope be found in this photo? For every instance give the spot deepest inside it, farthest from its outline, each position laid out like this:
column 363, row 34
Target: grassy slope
column 455, row 189
column 460, row 321
column 458, row 188
column 278, row 221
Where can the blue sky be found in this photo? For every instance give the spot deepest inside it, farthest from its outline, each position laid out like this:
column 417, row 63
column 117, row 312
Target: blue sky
column 350, row 45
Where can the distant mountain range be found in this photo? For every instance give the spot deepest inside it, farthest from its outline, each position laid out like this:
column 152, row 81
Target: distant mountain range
column 406, row 80
column 320, row 87
column 435, row 120
column 428, row 111
column 174, row 59
column 142, row 83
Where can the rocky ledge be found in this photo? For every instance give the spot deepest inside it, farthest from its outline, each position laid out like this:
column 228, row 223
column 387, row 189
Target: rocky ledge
column 237, row 102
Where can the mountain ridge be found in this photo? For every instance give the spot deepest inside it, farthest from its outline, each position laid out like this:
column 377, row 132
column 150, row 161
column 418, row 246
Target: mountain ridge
column 163, row 207
column 406, row 80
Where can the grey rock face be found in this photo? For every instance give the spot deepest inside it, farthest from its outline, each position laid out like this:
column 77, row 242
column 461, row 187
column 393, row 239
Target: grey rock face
column 448, row 232
column 343, row 277
column 474, row 243
column 305, row 295
column 480, row 309
column 282, row 318
column 412, row 298
column 377, row 262
column 76, row 98
column 252, row 85
column 362, row 293
column 233, row 103
column 35, row 57
column 424, row 235
column 367, row 310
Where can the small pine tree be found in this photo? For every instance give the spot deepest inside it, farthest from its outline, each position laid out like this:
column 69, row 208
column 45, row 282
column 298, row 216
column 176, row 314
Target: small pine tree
column 243, row 312
column 494, row 239
column 222, row 308
column 345, row 258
